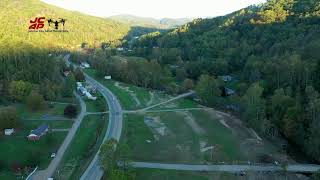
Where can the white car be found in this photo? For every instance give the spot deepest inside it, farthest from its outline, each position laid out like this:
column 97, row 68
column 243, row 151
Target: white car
column 53, row 155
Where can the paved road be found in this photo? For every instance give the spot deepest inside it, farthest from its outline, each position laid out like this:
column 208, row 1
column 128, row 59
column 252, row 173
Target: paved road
column 45, row 174
column 94, row 171
column 306, row 168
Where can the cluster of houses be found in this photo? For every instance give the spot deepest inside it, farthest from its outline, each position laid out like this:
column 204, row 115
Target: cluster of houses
column 34, row 135
column 86, row 91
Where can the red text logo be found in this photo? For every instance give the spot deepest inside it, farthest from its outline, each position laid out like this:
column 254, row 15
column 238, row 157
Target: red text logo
column 37, row 23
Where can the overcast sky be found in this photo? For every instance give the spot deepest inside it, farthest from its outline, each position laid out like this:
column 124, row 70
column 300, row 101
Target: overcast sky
column 155, row 9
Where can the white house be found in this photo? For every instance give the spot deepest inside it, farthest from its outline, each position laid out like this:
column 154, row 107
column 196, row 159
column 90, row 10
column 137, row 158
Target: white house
column 8, row 132
column 89, row 96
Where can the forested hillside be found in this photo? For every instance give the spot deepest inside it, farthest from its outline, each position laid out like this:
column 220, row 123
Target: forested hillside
column 26, row 55
column 15, row 16
column 165, row 23
column 272, row 52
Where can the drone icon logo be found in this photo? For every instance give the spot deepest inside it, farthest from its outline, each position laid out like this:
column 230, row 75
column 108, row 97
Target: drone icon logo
column 57, row 22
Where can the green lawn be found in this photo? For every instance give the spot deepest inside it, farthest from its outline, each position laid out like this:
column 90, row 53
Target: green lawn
column 226, row 144
column 17, row 149
column 7, row 175
column 53, row 110
column 182, row 143
column 59, row 124
column 83, row 147
column 157, row 174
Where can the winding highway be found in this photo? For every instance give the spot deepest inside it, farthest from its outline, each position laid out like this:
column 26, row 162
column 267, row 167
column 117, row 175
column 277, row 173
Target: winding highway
column 94, row 171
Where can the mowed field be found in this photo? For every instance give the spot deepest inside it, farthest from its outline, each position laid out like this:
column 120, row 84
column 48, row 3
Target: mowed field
column 199, row 136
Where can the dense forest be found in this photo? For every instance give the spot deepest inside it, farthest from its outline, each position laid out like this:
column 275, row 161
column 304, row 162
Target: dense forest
column 272, row 54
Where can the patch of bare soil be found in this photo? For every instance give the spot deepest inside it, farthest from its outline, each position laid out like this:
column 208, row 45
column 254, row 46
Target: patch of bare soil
column 157, row 127
column 151, row 98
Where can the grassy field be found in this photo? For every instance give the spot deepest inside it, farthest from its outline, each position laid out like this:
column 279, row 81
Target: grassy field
column 17, row 149
column 184, row 141
column 132, row 97
column 7, row 175
column 84, row 145
column 226, row 144
column 156, row 174
column 179, row 145
column 53, row 110
column 60, row 124
column 180, row 103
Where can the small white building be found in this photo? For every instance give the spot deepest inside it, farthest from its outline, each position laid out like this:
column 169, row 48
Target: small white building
column 85, row 65
column 8, row 132
column 107, row 77
column 79, row 84
column 89, row 96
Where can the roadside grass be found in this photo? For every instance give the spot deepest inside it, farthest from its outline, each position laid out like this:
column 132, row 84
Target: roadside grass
column 53, row 110
column 99, row 105
column 83, row 147
column 17, row 149
column 126, row 101
column 180, row 145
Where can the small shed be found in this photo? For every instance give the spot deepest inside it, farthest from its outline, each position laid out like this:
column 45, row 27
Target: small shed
column 107, row 77
column 8, row 132
column 226, row 78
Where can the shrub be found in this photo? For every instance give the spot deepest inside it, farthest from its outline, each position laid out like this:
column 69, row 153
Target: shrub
column 70, row 111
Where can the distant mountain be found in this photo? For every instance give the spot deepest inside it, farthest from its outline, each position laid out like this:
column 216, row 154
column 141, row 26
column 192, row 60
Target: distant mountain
column 16, row 14
column 165, row 23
